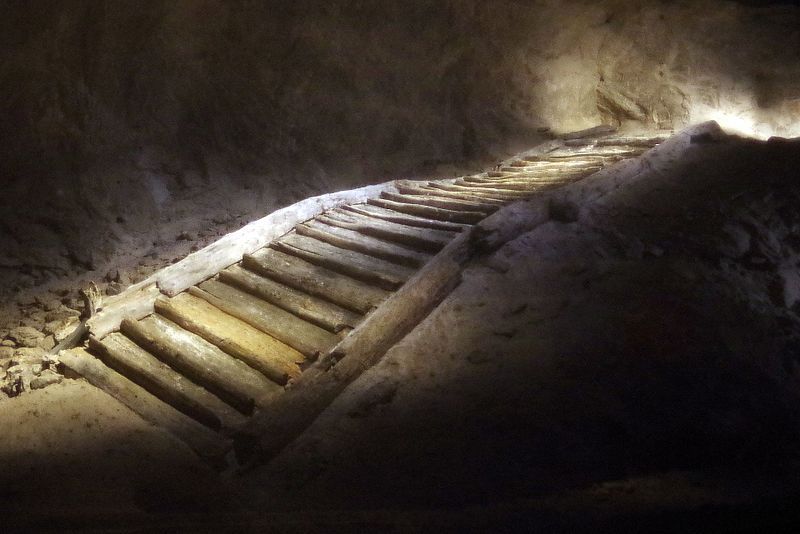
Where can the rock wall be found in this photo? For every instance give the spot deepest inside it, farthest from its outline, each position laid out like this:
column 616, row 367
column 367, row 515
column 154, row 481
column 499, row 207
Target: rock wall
column 132, row 132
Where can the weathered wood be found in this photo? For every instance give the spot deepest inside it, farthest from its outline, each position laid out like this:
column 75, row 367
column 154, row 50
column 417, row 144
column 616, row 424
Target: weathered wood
column 315, row 280
column 497, row 194
column 208, row 261
column 511, row 221
column 526, row 180
column 138, row 365
column 597, row 151
column 358, row 242
column 309, row 339
column 314, row 310
column 274, row 359
column 229, row 379
column 378, row 212
column 497, row 186
column 206, row 443
column 230, row 249
column 427, row 190
column 136, row 304
column 354, row 264
column 632, row 141
column 431, row 199
column 319, row 386
column 588, row 158
column 420, row 238
column 529, row 187
column 430, row 212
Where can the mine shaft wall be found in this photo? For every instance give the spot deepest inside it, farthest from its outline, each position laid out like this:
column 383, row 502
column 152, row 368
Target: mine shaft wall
column 122, row 119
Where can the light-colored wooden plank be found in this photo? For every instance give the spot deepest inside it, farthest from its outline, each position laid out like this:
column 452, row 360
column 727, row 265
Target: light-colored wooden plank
column 426, row 239
column 138, row 365
column 229, row 379
column 315, row 280
column 307, row 338
column 360, row 266
column 437, row 201
column 429, row 212
column 274, row 359
column 427, row 190
column 313, row 309
column 407, row 219
column 358, row 242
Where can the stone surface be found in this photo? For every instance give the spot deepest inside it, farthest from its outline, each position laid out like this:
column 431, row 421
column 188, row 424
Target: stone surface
column 46, row 378
column 26, row 336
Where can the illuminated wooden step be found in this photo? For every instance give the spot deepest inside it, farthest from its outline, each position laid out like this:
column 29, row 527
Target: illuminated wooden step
column 315, row 280
column 429, row 199
column 387, row 214
column 274, row 359
column 202, row 362
column 138, row 365
column 358, row 242
column 305, row 337
column 410, row 189
column 356, row 265
column 430, row 212
column 495, row 194
column 424, row 239
column 313, row 309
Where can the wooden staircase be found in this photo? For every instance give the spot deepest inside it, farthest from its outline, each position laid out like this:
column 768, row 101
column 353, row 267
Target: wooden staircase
column 207, row 361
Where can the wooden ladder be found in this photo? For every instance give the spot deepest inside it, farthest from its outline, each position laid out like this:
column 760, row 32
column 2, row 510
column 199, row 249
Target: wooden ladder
column 211, row 361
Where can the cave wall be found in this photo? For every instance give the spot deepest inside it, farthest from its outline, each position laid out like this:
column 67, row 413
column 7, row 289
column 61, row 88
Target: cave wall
column 127, row 126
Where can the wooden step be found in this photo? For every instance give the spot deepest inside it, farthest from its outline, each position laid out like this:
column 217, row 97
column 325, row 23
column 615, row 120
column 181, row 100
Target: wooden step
column 404, row 218
column 138, row 365
column 429, row 212
column 419, row 238
column 274, row 359
column 315, row 280
column 358, row 242
column 496, row 194
column 525, row 187
column 356, row 265
column 436, row 201
column 229, row 379
column 204, row 441
column 308, row 339
column 428, row 190
column 313, row 309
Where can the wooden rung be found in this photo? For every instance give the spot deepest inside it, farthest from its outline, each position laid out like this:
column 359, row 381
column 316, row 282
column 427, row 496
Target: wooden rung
column 313, row 309
column 206, row 443
column 431, row 199
column 229, row 379
column 378, row 212
column 472, row 197
column 496, row 194
column 138, row 365
column 419, row 238
column 358, row 242
column 497, row 186
column 274, row 359
column 354, row 264
column 430, row 212
column 307, row 338
column 315, row 280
